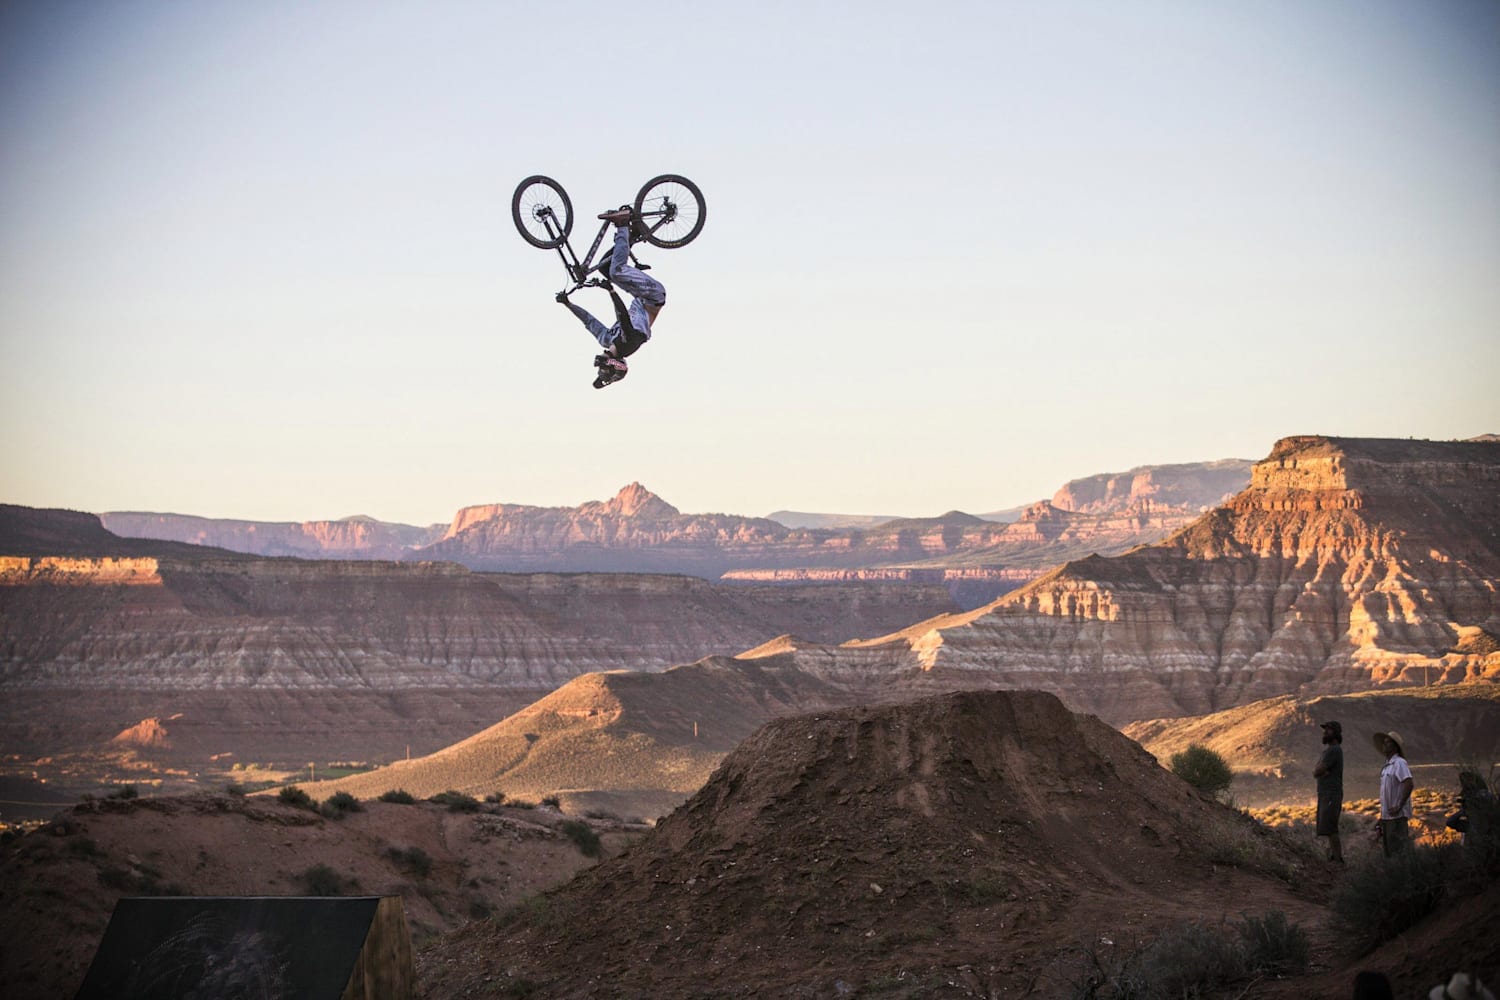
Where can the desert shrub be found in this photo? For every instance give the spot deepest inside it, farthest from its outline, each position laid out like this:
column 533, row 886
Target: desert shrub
column 412, row 859
column 85, row 847
column 142, row 880
column 553, row 801
column 456, row 801
column 237, row 789
column 1377, row 900
column 321, row 880
column 1205, row 770
column 495, row 798
column 293, row 796
column 603, row 814
column 1273, row 944
column 124, row 792
column 1192, row 960
column 400, row 796
column 340, row 804
column 583, row 837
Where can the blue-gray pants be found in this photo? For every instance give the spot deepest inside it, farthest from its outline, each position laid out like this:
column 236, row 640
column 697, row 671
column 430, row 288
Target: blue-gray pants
column 641, row 286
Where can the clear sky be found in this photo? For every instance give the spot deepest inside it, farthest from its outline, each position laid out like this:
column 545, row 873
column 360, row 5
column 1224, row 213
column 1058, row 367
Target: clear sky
column 256, row 258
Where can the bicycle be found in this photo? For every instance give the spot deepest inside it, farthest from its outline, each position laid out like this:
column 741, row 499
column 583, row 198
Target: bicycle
column 668, row 212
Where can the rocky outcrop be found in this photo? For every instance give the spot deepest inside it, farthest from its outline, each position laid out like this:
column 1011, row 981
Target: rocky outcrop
column 1346, row 565
column 1192, row 487
column 146, row 733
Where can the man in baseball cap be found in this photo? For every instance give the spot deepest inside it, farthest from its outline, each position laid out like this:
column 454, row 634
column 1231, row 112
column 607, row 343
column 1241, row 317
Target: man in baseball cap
column 1330, row 775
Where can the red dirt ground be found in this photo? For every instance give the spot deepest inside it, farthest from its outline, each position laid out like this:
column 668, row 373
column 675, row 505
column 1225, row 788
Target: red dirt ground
column 964, row 845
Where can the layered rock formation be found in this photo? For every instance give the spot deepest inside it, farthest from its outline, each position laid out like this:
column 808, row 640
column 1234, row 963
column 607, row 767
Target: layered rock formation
column 353, row 656
column 1347, row 564
column 1194, row 486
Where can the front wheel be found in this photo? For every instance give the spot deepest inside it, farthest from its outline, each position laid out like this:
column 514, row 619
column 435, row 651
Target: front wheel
column 542, row 212
column 670, row 211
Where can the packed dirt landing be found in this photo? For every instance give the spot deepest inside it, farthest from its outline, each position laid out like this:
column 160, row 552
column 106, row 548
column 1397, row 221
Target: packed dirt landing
column 965, row 844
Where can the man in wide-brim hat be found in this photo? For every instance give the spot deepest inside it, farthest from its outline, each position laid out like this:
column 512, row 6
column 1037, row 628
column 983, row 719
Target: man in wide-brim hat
column 1395, row 792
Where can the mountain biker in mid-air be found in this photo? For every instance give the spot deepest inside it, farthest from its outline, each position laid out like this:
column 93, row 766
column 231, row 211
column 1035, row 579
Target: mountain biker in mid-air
column 632, row 326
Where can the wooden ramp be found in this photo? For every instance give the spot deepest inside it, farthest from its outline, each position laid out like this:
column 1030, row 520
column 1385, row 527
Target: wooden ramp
column 253, row 948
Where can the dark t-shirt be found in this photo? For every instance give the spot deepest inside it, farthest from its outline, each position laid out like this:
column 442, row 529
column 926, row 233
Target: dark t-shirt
column 1331, row 784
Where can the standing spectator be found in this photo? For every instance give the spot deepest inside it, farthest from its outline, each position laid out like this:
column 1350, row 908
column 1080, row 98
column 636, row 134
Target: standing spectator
column 1330, row 775
column 1476, row 809
column 1395, row 793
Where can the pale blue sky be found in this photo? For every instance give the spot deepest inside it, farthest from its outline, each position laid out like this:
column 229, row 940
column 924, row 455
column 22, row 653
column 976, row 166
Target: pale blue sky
column 256, row 258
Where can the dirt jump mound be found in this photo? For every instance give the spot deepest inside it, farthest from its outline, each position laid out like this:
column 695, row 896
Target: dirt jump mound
column 961, row 842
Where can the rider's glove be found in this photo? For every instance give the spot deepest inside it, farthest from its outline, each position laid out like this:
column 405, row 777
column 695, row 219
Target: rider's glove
column 562, row 297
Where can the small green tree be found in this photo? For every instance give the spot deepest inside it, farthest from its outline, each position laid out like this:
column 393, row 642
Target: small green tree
column 583, row 837
column 456, row 801
column 340, row 804
column 293, row 796
column 1203, row 769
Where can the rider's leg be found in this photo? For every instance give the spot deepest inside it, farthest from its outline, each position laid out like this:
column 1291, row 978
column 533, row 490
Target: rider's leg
column 635, row 281
column 603, row 334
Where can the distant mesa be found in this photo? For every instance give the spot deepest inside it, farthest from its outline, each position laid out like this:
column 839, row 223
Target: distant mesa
column 638, row 531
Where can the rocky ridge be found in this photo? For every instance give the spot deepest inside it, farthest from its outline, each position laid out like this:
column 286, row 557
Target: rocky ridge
column 1347, row 564
column 638, row 531
column 358, row 658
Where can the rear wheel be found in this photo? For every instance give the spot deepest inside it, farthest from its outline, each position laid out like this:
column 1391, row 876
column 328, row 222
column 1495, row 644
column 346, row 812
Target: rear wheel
column 670, row 211
column 542, row 212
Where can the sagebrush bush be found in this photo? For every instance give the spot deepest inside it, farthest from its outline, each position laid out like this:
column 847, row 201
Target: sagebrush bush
column 293, row 796
column 1274, row 944
column 321, row 880
column 400, row 796
column 1193, row 960
column 584, row 837
column 1202, row 768
column 456, row 801
column 412, row 859
column 1377, row 900
column 340, row 804
column 124, row 792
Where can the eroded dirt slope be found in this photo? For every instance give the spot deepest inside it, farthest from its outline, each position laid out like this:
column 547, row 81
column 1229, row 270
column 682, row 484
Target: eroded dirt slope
column 58, row 885
column 965, row 839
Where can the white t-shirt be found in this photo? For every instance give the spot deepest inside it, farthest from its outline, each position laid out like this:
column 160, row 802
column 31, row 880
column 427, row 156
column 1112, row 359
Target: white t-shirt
column 1391, row 776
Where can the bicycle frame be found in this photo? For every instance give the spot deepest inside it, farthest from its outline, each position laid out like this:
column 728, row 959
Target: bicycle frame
column 580, row 269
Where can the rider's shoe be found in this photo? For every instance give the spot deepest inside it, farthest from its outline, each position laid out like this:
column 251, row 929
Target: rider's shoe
column 619, row 216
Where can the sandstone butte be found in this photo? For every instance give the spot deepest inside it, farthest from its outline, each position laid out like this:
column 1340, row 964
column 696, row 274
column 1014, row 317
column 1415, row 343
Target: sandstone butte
column 1347, row 564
